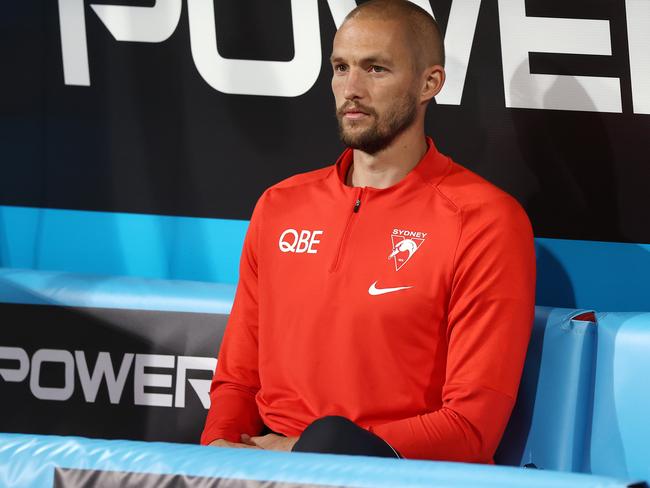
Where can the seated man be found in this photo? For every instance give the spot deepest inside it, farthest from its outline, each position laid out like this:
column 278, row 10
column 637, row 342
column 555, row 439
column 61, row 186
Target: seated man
column 385, row 303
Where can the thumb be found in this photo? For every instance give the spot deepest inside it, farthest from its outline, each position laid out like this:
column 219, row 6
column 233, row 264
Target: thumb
column 246, row 439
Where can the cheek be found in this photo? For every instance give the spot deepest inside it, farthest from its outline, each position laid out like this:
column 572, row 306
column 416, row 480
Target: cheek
column 337, row 86
column 337, row 90
column 393, row 97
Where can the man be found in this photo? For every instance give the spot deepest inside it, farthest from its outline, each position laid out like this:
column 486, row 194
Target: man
column 384, row 303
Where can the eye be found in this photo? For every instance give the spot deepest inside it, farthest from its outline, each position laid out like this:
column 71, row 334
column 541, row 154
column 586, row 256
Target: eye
column 340, row 68
column 376, row 69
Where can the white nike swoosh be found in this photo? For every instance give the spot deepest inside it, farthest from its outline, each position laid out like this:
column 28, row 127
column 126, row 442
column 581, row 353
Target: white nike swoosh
column 373, row 290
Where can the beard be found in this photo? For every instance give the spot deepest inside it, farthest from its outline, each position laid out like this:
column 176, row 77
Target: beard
column 383, row 129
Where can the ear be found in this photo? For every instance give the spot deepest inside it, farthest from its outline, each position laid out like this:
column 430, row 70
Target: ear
column 433, row 79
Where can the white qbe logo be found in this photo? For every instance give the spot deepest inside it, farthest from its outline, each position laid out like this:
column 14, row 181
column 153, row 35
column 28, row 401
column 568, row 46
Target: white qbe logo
column 299, row 242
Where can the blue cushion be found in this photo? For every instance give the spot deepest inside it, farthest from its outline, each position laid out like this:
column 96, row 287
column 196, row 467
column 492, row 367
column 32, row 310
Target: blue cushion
column 122, row 292
column 29, row 461
column 620, row 440
column 549, row 424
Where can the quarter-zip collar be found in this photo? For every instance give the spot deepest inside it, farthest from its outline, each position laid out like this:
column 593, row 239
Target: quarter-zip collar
column 430, row 170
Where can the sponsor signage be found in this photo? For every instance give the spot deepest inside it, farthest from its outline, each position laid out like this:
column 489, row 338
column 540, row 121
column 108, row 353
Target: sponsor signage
column 305, row 241
column 75, row 363
column 109, row 373
column 194, row 107
column 520, row 34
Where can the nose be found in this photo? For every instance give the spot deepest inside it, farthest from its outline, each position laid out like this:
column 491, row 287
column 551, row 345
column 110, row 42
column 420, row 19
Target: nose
column 353, row 87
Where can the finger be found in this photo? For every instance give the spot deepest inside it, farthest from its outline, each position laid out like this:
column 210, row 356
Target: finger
column 247, row 446
column 257, row 439
column 262, row 441
column 243, row 446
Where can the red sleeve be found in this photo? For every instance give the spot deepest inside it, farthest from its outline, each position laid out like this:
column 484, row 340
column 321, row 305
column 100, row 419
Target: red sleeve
column 233, row 409
column 490, row 315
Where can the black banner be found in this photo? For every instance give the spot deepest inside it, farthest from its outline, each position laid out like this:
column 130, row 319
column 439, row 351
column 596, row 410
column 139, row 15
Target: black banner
column 107, row 373
column 162, row 118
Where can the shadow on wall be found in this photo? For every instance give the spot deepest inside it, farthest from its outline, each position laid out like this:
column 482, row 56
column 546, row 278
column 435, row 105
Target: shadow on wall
column 571, row 156
column 605, row 276
column 554, row 286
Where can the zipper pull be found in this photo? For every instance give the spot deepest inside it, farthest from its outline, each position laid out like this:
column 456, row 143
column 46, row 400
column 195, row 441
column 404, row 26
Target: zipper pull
column 357, row 204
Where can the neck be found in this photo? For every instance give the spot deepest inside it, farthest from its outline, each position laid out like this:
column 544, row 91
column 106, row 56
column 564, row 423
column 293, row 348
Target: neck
column 390, row 165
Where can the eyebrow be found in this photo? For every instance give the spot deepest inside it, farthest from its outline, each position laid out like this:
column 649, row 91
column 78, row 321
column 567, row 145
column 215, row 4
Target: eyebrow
column 374, row 59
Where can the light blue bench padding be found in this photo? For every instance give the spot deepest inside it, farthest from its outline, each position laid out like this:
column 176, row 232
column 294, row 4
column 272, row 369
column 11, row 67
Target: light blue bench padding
column 550, row 423
column 620, row 441
column 584, row 400
column 112, row 243
column 27, row 461
column 76, row 290
column 570, row 273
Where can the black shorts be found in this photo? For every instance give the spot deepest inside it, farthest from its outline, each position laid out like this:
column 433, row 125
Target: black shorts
column 338, row 435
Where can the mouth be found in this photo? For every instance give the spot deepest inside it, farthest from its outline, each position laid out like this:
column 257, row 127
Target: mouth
column 353, row 111
column 354, row 114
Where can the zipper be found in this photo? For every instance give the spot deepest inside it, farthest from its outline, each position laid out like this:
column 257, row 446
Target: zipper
column 348, row 228
column 357, row 205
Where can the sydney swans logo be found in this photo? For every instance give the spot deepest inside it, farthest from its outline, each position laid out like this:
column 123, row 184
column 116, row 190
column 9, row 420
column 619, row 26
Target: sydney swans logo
column 405, row 244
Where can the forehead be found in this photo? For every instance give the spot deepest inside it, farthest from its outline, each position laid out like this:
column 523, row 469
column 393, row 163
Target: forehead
column 360, row 38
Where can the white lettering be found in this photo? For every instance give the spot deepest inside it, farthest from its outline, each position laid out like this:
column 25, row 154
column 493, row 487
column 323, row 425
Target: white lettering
column 409, row 233
column 90, row 382
column 201, row 387
column 521, row 35
column 17, row 354
column 141, row 24
column 52, row 356
column 638, row 27
column 303, row 241
column 252, row 77
column 288, row 246
column 459, row 36
column 74, row 46
column 339, row 9
column 103, row 368
column 299, row 243
column 142, row 380
column 313, row 241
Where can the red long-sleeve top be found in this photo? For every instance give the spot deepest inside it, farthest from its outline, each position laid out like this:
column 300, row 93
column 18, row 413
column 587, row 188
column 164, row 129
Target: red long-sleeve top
column 407, row 310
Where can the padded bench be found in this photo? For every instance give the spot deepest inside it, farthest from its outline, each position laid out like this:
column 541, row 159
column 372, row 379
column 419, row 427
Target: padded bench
column 130, row 358
column 31, row 461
